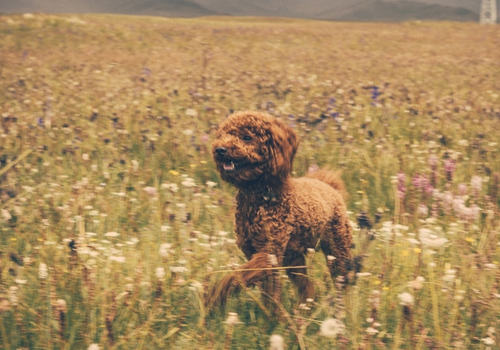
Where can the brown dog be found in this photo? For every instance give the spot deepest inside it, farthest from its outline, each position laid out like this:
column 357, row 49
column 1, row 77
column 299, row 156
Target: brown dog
column 278, row 218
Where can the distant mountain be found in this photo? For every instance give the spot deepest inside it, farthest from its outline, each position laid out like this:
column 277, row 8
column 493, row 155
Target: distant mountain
column 173, row 8
column 402, row 11
column 347, row 10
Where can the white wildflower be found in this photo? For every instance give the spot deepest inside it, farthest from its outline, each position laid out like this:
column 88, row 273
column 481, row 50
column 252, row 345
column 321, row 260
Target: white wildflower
column 406, row 299
column 111, row 234
column 6, row 215
column 93, row 346
column 191, row 112
column 188, row 182
column 118, row 259
column 61, row 305
column 371, row 331
column 211, row 184
column 170, row 186
column 363, row 274
column 476, row 183
column 20, row 281
column 276, row 342
column 178, row 269
column 232, row 319
column 164, row 248
column 430, row 240
column 160, row 273
column 488, row 341
column 330, row 258
column 13, row 298
column 150, row 191
column 42, row 271
column 135, row 165
column 331, row 327
column 417, row 283
column 196, row 286
column 273, row 260
column 449, row 275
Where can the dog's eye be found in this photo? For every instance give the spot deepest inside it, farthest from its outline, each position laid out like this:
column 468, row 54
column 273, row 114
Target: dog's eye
column 247, row 138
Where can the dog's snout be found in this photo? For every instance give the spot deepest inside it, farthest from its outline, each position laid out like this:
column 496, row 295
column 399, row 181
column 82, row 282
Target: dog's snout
column 221, row 150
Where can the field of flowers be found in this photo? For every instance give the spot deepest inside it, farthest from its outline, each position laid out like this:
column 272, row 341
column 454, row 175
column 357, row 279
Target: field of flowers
column 114, row 222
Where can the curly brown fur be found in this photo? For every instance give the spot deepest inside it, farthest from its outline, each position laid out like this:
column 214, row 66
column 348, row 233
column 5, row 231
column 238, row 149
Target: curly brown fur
column 278, row 217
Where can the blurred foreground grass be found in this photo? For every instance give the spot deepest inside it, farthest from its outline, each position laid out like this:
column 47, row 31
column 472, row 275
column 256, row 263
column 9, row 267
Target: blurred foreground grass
column 114, row 222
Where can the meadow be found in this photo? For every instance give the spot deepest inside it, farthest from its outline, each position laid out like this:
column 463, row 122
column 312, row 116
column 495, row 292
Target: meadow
column 114, row 221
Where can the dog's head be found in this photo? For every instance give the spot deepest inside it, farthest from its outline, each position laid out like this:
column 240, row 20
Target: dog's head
column 254, row 147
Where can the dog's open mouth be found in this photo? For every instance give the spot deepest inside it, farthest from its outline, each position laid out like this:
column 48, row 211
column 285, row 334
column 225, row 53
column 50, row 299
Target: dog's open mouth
column 228, row 165
column 232, row 165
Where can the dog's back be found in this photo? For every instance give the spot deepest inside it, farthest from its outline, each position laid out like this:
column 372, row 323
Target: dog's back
column 331, row 178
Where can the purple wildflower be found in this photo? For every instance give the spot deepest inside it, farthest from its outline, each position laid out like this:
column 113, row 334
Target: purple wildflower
column 449, row 167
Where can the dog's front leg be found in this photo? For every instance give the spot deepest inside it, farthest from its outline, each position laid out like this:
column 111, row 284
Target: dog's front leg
column 258, row 268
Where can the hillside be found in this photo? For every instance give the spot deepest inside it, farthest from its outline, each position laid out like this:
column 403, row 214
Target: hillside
column 401, row 11
column 353, row 10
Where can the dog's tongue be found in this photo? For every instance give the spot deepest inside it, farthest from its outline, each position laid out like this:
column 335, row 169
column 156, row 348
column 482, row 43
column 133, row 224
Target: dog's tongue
column 228, row 166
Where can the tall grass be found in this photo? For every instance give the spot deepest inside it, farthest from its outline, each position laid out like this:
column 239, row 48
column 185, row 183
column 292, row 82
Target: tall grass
column 114, row 222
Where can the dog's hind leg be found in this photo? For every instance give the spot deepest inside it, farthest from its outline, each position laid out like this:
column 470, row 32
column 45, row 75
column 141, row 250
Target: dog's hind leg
column 298, row 275
column 336, row 245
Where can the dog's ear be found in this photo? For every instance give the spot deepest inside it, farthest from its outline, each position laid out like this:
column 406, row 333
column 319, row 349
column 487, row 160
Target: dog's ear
column 283, row 144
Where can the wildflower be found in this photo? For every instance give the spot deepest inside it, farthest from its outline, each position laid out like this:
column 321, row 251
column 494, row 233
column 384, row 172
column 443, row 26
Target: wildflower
column 330, row 258
column 85, row 156
column 118, row 259
column 204, row 138
column 476, row 184
column 6, row 215
column 188, row 132
column 331, row 327
column 42, row 271
column 188, row 182
column 135, row 164
column 430, row 240
column 449, row 275
column 374, row 298
column 462, row 189
column 211, row 184
column 61, row 305
column 151, row 191
column 232, row 319
column 277, row 342
column 363, row 274
column 417, row 283
column 191, row 112
column 93, row 346
column 406, row 299
column 195, row 286
column 111, row 234
column 13, row 298
column 422, row 210
column 488, row 341
column 178, row 269
column 160, row 273
column 164, row 248
column 273, row 260
column 449, row 167
column 371, row 331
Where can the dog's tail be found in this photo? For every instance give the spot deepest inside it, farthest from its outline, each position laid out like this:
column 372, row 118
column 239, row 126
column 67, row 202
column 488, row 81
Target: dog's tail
column 332, row 178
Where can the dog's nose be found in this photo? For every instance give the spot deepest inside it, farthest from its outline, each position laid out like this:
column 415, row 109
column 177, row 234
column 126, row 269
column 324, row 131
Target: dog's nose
column 221, row 150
